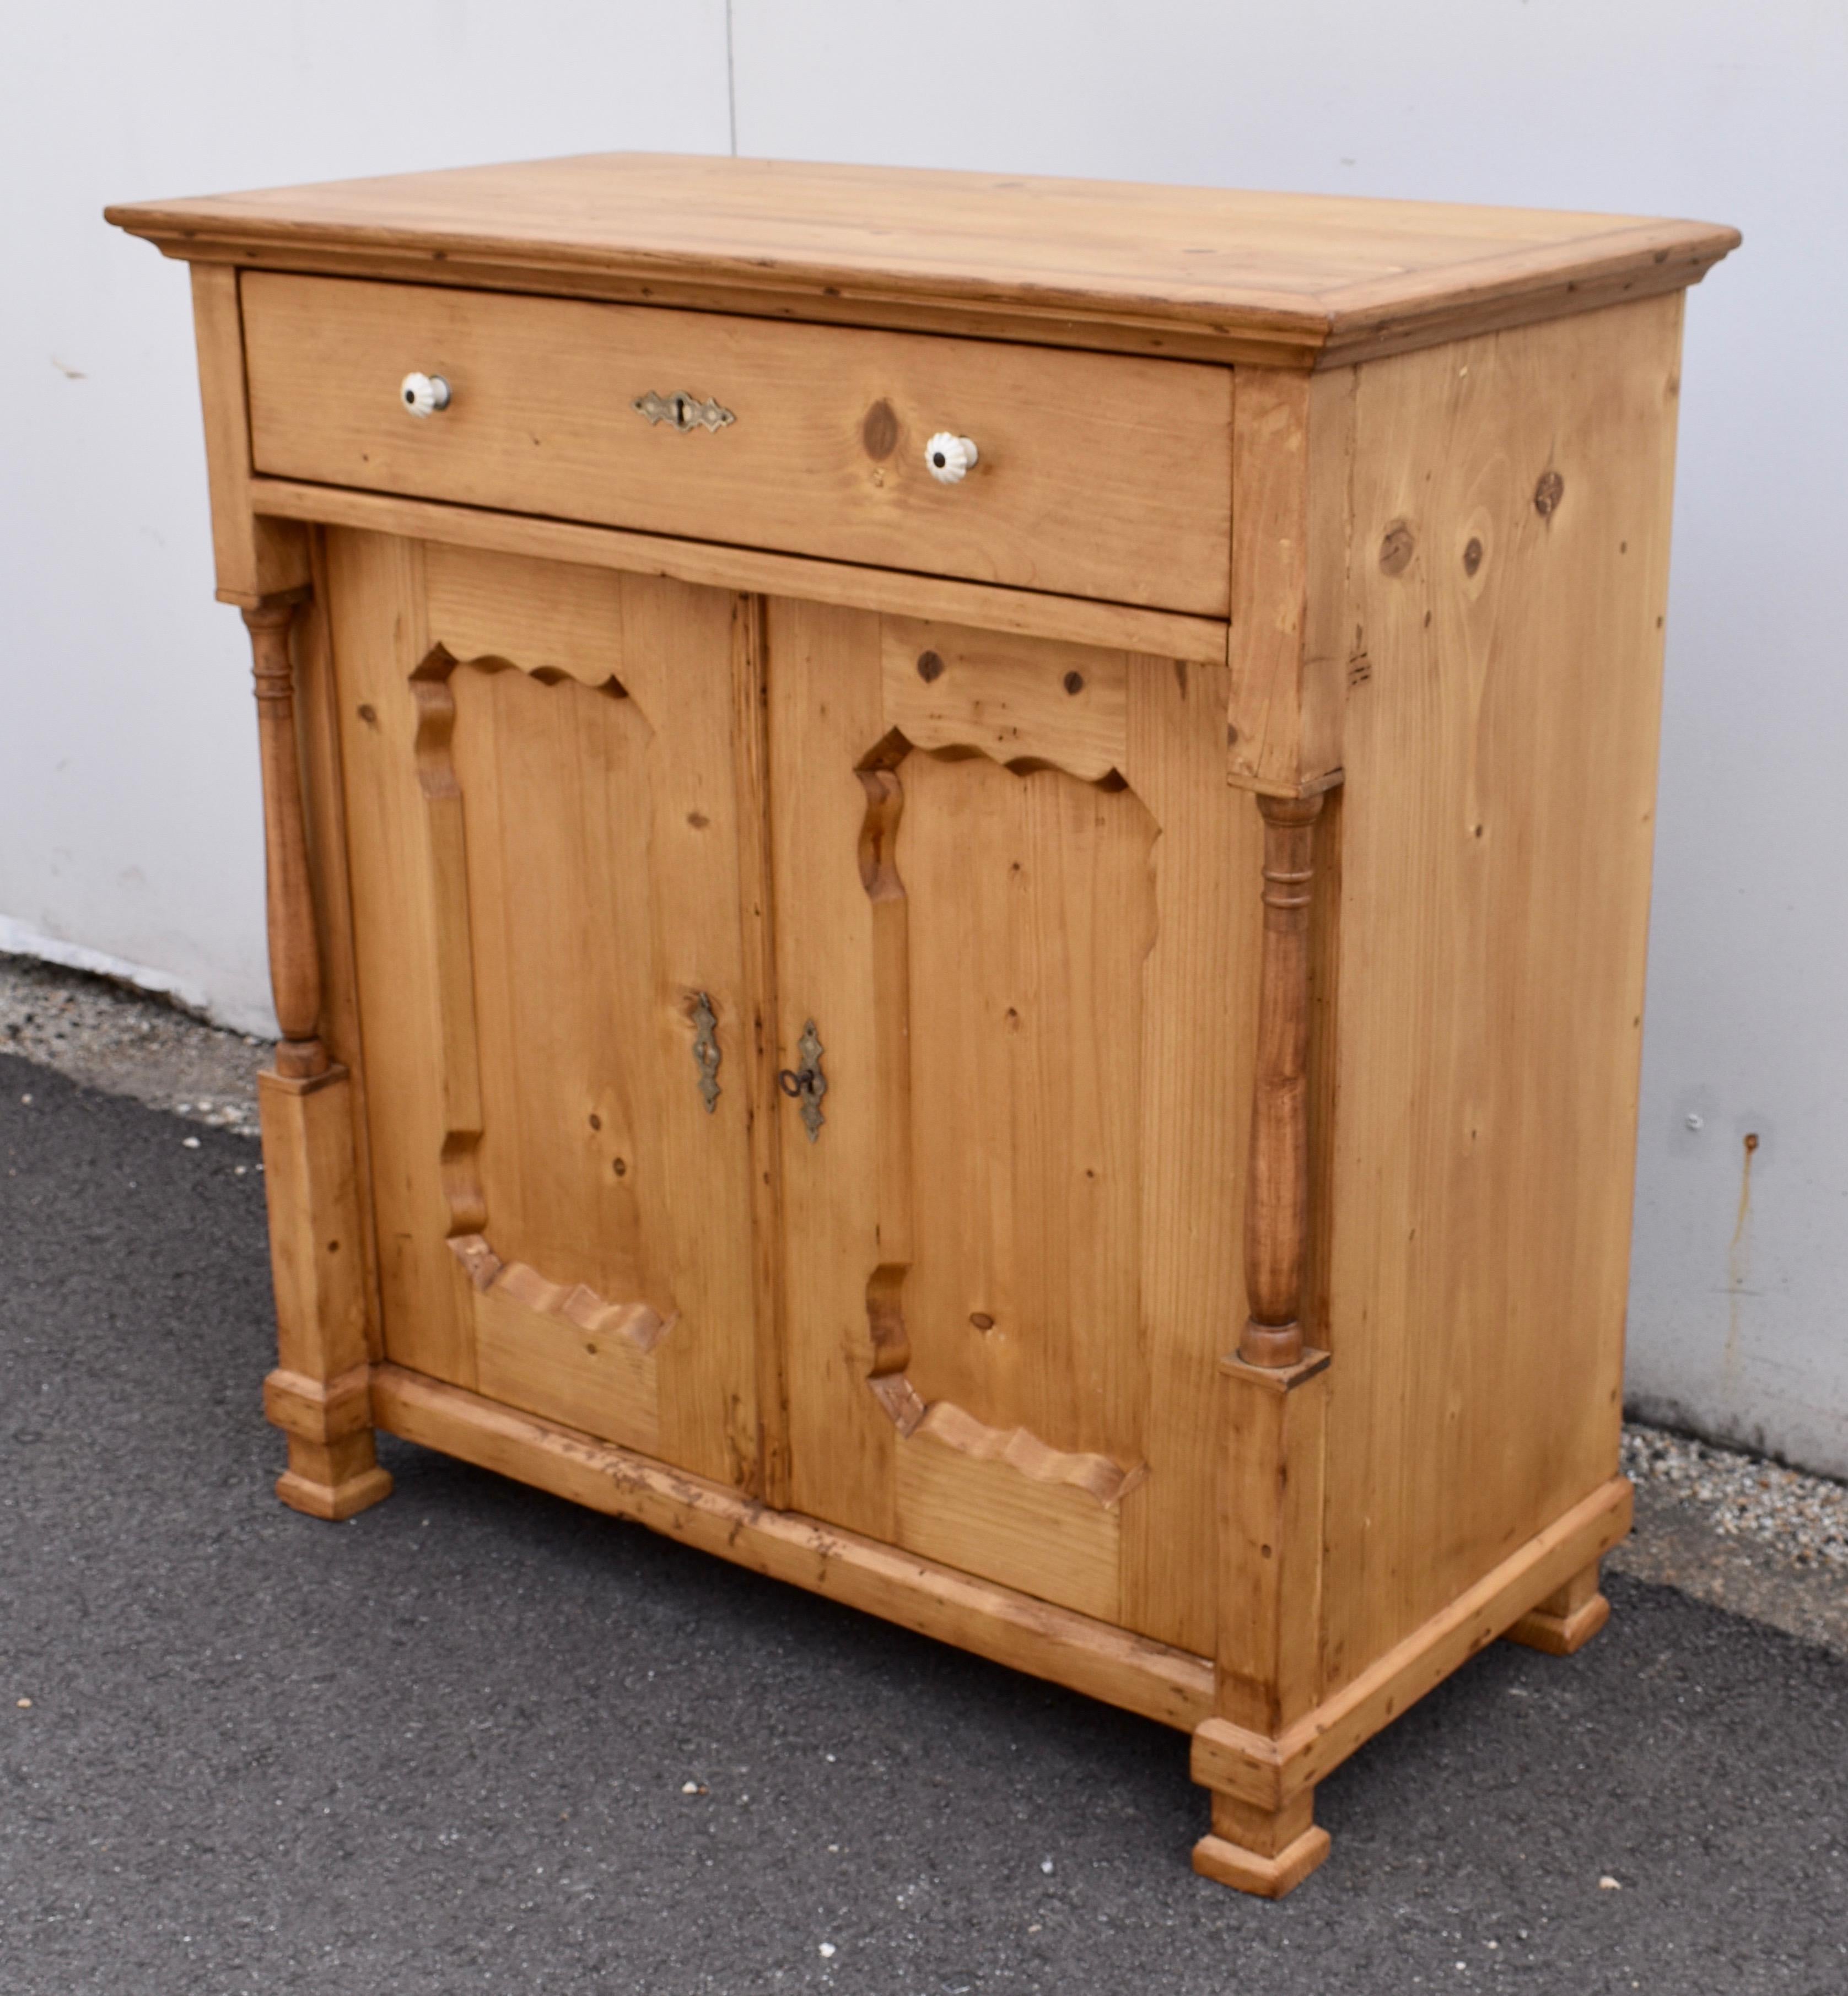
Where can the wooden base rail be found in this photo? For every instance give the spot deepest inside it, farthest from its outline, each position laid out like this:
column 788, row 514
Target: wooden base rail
column 996, row 1622
column 1262, row 1776
column 1269, row 1774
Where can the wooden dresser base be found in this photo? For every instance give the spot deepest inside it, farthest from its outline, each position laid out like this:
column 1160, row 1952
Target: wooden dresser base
column 1264, row 1839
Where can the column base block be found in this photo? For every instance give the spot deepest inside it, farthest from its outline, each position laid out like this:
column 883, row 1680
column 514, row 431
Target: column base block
column 1561, row 1635
column 336, row 1480
column 1245, row 1870
column 335, row 1502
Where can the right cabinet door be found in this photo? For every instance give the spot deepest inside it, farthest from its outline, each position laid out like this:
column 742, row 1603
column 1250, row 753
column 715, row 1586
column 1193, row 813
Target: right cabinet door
column 1016, row 909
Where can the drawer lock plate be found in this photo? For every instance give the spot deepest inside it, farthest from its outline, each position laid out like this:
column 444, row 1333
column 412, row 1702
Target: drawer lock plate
column 684, row 412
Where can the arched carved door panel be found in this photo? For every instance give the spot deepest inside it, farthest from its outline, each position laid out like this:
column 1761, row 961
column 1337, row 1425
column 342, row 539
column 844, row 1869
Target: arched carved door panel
column 984, row 848
column 544, row 837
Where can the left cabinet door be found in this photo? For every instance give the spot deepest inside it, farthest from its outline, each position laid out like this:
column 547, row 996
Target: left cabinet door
column 542, row 775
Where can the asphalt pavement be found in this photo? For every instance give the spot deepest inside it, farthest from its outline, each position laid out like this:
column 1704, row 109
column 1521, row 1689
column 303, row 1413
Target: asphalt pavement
column 477, row 1740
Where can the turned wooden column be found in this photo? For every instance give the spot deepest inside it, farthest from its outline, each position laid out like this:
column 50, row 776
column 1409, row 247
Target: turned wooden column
column 1276, row 1182
column 294, row 955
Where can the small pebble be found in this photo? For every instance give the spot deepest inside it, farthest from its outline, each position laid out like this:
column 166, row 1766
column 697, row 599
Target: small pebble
column 826, row 1950
column 1608, row 1883
column 1805, row 1517
column 25, row 1704
column 190, row 1143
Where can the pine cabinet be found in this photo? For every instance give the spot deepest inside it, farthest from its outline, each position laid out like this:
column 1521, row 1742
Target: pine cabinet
column 957, row 880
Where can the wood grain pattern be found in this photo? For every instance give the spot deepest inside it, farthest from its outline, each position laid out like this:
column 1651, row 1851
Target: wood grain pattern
column 324, row 800
column 1568, row 1620
column 985, row 1514
column 573, row 1304
column 1272, row 1524
column 750, row 697
column 565, row 1353
column 294, row 948
column 1277, row 1216
column 316, row 1395
column 1182, row 270
column 254, row 556
column 1020, row 958
column 1020, row 702
column 1255, row 1850
column 1268, row 1773
column 975, row 605
column 379, row 631
column 1291, row 441
column 1079, row 489
column 1508, row 582
column 543, row 1090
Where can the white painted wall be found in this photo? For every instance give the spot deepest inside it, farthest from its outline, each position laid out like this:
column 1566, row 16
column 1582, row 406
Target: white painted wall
column 128, row 805
column 130, row 821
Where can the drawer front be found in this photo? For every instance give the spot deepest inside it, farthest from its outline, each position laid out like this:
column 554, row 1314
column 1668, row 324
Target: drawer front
column 1097, row 476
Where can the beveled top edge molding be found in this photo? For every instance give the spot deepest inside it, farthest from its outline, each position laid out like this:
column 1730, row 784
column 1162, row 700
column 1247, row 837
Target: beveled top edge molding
column 1276, row 279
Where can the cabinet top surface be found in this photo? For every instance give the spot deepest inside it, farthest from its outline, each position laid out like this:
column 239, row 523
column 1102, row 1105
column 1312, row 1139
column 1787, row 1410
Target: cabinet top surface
column 1324, row 275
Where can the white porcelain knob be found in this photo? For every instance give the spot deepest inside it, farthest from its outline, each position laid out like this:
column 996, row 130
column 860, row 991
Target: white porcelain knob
column 424, row 394
column 949, row 457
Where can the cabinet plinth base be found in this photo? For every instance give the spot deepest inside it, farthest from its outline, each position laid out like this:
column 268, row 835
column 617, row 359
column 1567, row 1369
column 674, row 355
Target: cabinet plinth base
column 336, row 1481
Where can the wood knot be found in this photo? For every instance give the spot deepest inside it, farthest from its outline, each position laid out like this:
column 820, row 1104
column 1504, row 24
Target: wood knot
column 981, row 1320
column 1395, row 549
column 879, row 431
column 1548, row 495
column 1472, row 556
column 1075, row 682
column 930, row 666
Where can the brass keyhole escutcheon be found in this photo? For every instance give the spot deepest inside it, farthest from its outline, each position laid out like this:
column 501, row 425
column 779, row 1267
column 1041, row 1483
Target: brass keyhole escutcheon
column 807, row 1084
column 706, row 1050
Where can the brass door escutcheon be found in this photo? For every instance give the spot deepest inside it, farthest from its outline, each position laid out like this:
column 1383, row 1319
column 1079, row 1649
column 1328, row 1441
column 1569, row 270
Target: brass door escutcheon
column 807, row 1084
column 706, row 1050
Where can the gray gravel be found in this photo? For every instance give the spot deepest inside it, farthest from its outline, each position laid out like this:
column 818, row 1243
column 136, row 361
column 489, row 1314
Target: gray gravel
column 117, row 1038
column 1802, row 1519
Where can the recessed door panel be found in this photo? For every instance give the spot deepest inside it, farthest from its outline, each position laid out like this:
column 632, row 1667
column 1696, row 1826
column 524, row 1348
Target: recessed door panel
column 541, row 770
column 999, row 917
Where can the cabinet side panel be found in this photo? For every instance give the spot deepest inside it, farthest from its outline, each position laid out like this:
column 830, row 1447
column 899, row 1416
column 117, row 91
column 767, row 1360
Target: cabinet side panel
column 377, row 621
column 1507, row 578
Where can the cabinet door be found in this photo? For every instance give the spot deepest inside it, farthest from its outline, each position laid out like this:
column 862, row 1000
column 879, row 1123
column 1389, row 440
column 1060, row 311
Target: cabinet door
column 541, row 781
column 1017, row 911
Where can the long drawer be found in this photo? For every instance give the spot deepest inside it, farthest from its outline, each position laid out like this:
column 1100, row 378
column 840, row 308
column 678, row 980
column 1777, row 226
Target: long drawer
column 1096, row 475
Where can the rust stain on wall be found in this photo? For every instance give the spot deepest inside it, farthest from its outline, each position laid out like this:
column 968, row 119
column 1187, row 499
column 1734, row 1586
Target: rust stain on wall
column 1738, row 1256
